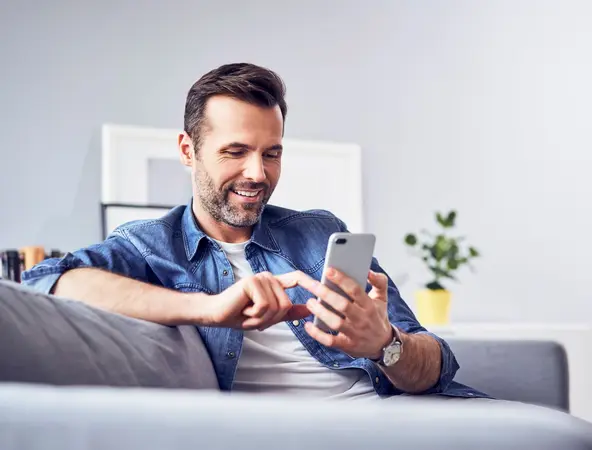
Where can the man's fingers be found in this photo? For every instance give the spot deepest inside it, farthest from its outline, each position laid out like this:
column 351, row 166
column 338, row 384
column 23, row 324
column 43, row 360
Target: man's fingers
column 349, row 286
column 252, row 323
column 379, row 282
column 338, row 341
column 260, row 304
column 283, row 302
column 332, row 320
column 270, row 297
column 297, row 312
column 271, row 304
column 340, row 304
column 318, row 335
column 314, row 287
column 267, row 290
column 320, row 290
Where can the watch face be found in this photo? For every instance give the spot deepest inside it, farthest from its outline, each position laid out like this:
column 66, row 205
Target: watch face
column 392, row 354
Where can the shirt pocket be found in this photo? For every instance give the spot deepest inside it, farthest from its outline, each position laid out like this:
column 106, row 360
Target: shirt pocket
column 192, row 287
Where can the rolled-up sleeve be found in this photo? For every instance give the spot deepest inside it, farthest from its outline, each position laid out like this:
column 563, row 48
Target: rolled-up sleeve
column 449, row 365
column 116, row 254
column 401, row 316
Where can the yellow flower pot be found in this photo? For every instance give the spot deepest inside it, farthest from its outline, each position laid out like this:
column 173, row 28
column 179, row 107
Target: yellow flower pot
column 433, row 307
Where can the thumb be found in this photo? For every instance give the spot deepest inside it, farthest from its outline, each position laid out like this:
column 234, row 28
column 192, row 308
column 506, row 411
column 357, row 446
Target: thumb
column 379, row 282
column 297, row 312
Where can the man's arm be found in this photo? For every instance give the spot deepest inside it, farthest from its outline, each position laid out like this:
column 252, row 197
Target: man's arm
column 420, row 365
column 114, row 276
column 427, row 364
column 132, row 298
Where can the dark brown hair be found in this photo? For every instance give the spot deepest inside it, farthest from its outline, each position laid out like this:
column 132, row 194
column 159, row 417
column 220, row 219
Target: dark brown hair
column 242, row 81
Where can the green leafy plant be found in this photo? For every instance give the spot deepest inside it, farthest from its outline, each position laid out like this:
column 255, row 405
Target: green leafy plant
column 442, row 253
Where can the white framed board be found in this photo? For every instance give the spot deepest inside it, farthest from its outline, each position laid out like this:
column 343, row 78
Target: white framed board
column 141, row 164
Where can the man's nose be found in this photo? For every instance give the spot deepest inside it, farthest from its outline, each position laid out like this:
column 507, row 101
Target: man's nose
column 254, row 169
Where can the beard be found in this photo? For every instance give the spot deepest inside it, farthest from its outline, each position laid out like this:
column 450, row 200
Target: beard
column 217, row 202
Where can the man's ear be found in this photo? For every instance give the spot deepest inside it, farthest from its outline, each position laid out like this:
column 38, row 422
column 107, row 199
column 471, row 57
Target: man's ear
column 186, row 150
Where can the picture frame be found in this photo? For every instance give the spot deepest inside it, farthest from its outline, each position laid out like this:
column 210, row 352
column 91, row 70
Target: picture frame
column 315, row 174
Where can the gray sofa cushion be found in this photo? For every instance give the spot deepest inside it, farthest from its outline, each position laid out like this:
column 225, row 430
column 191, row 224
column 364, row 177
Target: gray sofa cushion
column 526, row 371
column 46, row 339
column 68, row 418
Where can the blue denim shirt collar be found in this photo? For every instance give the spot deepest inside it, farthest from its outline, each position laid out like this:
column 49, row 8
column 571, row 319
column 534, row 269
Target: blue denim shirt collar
column 192, row 234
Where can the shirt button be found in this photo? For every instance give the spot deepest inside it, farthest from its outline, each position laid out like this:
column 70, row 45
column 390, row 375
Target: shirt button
column 230, row 355
column 377, row 380
column 225, row 272
column 335, row 364
column 296, row 323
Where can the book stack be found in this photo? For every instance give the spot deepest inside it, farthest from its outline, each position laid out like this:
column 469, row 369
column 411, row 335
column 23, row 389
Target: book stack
column 13, row 262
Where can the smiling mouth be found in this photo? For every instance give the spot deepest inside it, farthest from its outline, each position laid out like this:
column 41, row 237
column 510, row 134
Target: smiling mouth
column 248, row 194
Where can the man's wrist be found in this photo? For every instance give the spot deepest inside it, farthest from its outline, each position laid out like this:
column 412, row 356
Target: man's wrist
column 385, row 342
column 193, row 309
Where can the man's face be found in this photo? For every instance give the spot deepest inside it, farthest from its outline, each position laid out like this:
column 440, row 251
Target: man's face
column 238, row 164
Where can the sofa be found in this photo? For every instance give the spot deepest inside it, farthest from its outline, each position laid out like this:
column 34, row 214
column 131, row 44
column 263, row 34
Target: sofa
column 76, row 377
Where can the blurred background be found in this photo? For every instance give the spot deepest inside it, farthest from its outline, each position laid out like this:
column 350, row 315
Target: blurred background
column 483, row 107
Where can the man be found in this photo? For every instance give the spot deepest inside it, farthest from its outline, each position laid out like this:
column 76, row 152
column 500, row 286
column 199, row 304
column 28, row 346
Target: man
column 244, row 272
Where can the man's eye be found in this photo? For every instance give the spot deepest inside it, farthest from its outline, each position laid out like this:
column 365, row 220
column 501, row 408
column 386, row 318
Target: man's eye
column 273, row 154
column 235, row 153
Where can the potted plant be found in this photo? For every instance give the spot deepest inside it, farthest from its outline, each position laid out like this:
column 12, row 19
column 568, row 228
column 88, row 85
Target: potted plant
column 444, row 255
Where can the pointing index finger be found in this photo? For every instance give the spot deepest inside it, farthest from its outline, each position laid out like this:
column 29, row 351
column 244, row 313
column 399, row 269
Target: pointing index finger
column 292, row 279
column 298, row 278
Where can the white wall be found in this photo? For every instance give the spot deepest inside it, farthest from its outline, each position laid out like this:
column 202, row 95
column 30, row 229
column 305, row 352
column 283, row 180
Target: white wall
column 491, row 113
column 479, row 106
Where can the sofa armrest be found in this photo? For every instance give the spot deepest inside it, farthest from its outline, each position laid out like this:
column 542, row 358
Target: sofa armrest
column 528, row 371
column 47, row 339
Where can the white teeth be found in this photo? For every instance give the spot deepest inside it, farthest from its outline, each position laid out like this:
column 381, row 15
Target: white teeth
column 247, row 194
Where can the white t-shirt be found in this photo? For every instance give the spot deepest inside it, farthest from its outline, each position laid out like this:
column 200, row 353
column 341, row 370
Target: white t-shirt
column 274, row 361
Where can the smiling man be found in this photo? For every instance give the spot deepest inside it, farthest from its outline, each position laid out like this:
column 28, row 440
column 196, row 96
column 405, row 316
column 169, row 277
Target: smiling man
column 243, row 271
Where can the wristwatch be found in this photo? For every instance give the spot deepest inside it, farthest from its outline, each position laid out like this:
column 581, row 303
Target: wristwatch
column 392, row 352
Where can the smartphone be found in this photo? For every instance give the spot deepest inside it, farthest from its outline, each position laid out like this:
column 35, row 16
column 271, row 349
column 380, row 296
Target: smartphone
column 351, row 254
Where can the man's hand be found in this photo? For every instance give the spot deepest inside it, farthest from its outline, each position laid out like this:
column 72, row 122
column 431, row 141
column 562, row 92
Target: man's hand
column 363, row 327
column 256, row 302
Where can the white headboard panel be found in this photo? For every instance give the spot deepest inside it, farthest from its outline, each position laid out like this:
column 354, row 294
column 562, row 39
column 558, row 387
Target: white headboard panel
column 315, row 174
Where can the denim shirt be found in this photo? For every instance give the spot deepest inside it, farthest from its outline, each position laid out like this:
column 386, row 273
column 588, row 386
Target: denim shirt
column 174, row 253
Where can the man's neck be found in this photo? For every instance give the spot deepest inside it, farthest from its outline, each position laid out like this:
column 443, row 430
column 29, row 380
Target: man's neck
column 219, row 231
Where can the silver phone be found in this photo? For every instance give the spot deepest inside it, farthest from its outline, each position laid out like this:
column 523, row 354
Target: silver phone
column 351, row 254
